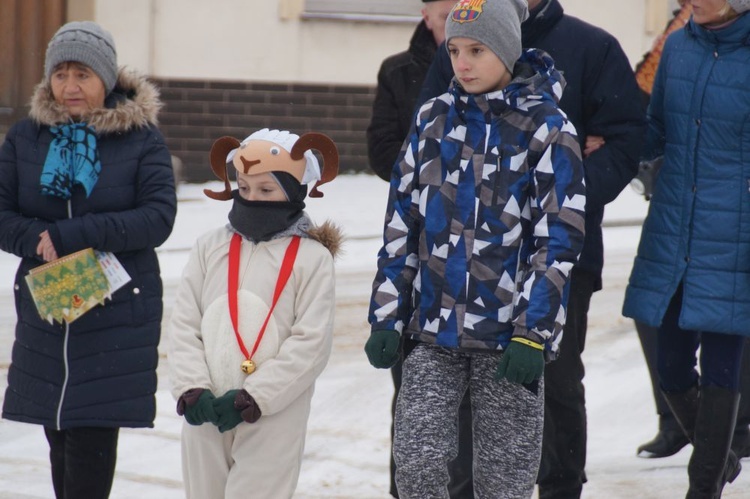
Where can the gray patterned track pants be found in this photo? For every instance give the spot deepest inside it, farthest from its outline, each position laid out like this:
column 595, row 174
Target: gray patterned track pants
column 507, row 426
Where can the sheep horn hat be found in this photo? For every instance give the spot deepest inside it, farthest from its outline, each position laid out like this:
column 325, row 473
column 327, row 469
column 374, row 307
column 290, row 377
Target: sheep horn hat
column 304, row 171
column 739, row 6
column 268, row 151
column 85, row 42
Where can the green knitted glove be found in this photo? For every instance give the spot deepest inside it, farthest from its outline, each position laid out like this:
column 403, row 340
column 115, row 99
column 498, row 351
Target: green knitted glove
column 521, row 362
column 382, row 348
column 228, row 416
column 202, row 411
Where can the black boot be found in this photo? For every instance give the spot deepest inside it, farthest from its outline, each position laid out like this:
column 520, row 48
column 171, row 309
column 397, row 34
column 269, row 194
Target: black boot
column 684, row 407
column 708, row 420
column 741, row 441
column 712, row 463
column 668, row 441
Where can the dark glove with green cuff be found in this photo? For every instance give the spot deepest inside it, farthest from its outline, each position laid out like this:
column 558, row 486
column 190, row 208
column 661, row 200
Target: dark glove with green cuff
column 382, row 348
column 522, row 362
column 228, row 415
column 197, row 406
column 233, row 408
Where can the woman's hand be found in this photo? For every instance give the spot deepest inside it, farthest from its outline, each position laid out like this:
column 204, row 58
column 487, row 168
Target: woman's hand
column 593, row 142
column 45, row 248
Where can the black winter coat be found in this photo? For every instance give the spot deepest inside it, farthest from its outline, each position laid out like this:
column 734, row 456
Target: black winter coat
column 101, row 369
column 399, row 82
column 601, row 98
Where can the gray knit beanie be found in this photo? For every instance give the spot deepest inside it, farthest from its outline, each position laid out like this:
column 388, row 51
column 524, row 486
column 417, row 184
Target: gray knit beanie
column 88, row 43
column 739, row 6
column 495, row 23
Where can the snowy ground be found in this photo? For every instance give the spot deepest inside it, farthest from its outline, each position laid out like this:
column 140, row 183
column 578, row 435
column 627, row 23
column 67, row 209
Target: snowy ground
column 347, row 447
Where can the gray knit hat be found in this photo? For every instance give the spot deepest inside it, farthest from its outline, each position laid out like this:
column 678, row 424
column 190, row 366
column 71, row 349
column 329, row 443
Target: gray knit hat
column 495, row 23
column 739, row 6
column 85, row 42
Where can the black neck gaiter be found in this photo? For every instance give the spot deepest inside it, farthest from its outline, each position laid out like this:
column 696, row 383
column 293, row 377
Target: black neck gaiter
column 260, row 220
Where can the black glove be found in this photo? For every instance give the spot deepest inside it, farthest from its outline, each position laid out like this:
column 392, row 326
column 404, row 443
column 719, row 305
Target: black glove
column 644, row 181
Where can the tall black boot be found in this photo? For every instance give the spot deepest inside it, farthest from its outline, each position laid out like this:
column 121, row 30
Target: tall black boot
column 741, row 440
column 685, row 406
column 712, row 463
column 669, row 440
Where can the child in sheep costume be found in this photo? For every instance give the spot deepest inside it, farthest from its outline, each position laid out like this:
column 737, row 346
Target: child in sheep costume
column 252, row 324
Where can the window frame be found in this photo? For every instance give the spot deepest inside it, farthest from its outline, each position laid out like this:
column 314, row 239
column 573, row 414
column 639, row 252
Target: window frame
column 393, row 11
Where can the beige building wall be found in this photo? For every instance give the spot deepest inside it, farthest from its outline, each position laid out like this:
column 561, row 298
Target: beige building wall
column 268, row 40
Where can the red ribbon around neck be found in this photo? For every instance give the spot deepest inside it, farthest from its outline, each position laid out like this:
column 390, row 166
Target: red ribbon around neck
column 234, row 278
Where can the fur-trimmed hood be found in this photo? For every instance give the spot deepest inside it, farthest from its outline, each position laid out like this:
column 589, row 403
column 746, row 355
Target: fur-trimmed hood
column 329, row 235
column 134, row 103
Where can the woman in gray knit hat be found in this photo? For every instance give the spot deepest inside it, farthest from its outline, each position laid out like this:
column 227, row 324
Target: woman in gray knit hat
column 690, row 277
column 87, row 169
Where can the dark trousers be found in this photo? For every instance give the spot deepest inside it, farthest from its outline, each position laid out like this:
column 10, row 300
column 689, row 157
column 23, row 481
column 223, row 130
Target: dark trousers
column 720, row 358
column 561, row 473
column 83, row 461
column 647, row 336
column 460, row 470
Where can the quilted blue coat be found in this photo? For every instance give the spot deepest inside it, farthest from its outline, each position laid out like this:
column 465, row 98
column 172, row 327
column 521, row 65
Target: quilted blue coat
column 697, row 231
column 100, row 370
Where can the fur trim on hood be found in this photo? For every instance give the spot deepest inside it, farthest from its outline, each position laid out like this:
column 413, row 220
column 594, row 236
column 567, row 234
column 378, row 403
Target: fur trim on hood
column 329, row 235
column 134, row 103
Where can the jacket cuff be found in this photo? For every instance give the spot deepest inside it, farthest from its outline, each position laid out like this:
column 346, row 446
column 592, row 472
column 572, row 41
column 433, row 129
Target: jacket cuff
column 248, row 407
column 390, row 325
column 525, row 341
column 56, row 238
column 528, row 334
column 188, row 399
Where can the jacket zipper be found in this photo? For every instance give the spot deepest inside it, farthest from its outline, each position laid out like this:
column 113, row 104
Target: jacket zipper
column 496, row 186
column 58, row 417
column 65, row 380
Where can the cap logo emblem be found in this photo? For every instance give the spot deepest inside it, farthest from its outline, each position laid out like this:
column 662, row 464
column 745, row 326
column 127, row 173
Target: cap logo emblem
column 467, row 10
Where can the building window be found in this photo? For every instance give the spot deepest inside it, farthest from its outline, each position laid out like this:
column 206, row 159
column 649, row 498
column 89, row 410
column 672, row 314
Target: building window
column 370, row 10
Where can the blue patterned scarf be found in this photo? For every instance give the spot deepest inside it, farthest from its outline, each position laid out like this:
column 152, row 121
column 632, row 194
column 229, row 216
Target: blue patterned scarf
column 73, row 158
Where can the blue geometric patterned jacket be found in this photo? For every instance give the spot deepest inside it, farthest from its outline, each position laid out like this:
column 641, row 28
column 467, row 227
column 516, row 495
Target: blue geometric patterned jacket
column 485, row 217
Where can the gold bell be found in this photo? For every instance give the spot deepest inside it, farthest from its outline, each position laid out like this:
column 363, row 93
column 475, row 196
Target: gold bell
column 248, row 366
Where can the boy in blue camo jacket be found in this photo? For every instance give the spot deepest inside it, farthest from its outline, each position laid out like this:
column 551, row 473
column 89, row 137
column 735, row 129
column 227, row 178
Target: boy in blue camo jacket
column 483, row 226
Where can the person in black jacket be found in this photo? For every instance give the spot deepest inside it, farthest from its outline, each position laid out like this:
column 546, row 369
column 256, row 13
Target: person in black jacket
column 602, row 100
column 399, row 82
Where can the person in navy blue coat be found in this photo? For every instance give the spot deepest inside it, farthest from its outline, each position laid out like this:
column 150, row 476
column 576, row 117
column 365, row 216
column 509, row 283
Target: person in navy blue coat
column 691, row 276
column 87, row 169
column 603, row 101
column 670, row 438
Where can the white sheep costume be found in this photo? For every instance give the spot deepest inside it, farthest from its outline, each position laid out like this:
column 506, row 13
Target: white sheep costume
column 260, row 459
